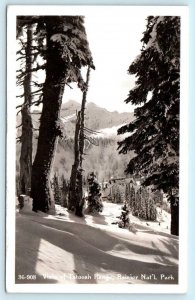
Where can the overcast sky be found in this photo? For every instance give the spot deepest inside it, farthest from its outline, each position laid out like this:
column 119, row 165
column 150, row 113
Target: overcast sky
column 114, row 43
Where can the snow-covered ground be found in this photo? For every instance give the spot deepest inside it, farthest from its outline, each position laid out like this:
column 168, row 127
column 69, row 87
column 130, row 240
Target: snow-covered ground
column 65, row 249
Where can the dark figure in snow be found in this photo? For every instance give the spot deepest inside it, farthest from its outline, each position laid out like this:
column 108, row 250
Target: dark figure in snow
column 94, row 197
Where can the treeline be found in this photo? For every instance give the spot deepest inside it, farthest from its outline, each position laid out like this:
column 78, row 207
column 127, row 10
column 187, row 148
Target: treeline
column 103, row 158
column 140, row 201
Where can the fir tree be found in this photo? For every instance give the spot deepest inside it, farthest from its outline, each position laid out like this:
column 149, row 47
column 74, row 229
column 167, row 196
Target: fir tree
column 147, row 205
column 26, row 60
column 26, row 120
column 64, row 191
column 94, row 198
column 73, row 198
column 132, row 199
column 66, row 52
column 124, row 217
column 127, row 194
column 152, row 211
column 118, row 196
column 137, row 205
column 155, row 130
column 142, row 207
column 76, row 178
column 56, row 189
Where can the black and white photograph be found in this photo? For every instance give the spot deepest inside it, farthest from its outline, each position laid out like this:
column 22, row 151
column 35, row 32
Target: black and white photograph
column 96, row 161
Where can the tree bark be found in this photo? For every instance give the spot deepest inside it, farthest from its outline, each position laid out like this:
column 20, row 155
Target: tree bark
column 49, row 124
column 73, row 195
column 83, row 105
column 76, row 179
column 80, row 201
column 26, row 120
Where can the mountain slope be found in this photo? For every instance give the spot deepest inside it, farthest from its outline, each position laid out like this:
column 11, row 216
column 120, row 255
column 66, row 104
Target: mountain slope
column 104, row 158
column 96, row 117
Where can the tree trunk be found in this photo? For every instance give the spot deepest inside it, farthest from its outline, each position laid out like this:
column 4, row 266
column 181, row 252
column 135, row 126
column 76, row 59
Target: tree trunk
column 73, row 193
column 83, row 105
column 80, row 202
column 26, row 152
column 49, row 121
column 174, row 215
column 76, row 179
column 27, row 131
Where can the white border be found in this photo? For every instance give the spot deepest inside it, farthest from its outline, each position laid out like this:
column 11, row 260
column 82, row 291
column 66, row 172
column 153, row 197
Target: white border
column 13, row 11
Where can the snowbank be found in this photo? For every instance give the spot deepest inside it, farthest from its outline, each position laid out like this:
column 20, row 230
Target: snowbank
column 66, row 249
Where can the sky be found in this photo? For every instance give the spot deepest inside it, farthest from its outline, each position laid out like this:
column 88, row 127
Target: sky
column 114, row 42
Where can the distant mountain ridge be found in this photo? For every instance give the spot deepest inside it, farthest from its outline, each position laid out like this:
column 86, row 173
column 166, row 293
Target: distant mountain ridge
column 104, row 158
column 96, row 117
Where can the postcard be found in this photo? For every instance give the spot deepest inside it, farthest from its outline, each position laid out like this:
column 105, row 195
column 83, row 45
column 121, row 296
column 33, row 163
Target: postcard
column 97, row 114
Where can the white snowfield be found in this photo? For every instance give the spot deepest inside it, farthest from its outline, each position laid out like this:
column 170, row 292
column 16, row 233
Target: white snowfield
column 109, row 132
column 65, row 249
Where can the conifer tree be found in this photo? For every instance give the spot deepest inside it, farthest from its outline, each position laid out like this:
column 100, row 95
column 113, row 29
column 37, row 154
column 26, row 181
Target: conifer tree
column 94, row 198
column 155, row 130
column 56, row 188
column 127, row 194
column 80, row 202
column 152, row 215
column 138, row 202
column 26, row 120
column 144, row 201
column 124, row 217
column 73, row 197
column 132, row 199
column 26, row 57
column 147, row 205
column 118, row 197
column 64, row 191
column 76, row 179
column 67, row 51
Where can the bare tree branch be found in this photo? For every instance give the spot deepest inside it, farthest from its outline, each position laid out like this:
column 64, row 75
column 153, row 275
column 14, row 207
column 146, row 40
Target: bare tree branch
column 19, row 125
column 23, row 73
column 18, row 139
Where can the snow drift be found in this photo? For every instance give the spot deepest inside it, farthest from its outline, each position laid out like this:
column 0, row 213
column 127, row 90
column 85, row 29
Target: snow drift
column 65, row 249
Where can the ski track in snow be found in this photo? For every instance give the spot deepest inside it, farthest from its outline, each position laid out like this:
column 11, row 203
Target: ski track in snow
column 63, row 248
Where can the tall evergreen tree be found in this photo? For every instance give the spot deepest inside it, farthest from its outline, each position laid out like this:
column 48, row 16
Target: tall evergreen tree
column 124, row 217
column 132, row 199
column 30, row 48
column 94, row 199
column 127, row 194
column 73, row 190
column 76, row 178
column 67, row 51
column 80, row 203
column 155, row 130
column 26, row 119
column 56, row 188
column 64, row 188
